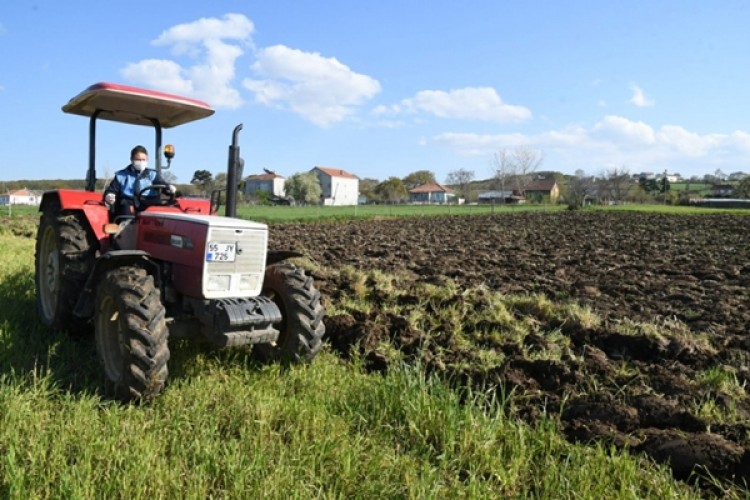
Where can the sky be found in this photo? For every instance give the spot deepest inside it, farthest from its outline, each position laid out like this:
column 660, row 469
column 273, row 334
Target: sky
column 384, row 88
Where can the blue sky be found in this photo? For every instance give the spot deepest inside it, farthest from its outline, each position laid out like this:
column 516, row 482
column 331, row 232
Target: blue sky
column 383, row 88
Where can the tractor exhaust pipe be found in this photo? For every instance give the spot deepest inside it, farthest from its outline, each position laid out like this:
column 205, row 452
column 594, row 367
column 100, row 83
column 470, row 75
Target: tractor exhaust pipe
column 233, row 170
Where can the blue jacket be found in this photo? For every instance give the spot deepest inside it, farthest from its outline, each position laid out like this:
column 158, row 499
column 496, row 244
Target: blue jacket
column 127, row 182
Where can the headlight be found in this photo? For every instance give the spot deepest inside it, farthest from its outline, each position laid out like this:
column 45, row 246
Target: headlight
column 180, row 241
column 218, row 282
column 249, row 281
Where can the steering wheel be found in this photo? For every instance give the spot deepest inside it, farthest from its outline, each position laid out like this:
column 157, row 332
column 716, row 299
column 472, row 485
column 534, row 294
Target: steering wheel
column 164, row 197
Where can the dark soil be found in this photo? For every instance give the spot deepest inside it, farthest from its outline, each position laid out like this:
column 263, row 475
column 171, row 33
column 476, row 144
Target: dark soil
column 688, row 275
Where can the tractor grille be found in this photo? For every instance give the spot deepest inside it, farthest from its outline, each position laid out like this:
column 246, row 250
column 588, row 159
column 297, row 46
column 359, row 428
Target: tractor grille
column 243, row 276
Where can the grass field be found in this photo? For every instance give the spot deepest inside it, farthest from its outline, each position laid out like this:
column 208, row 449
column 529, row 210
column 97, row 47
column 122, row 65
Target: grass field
column 227, row 427
column 311, row 213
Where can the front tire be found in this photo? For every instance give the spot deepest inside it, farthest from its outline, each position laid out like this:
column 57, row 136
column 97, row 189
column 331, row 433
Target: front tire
column 65, row 253
column 302, row 327
column 131, row 334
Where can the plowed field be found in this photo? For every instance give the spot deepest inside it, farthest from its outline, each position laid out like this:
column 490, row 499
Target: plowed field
column 673, row 385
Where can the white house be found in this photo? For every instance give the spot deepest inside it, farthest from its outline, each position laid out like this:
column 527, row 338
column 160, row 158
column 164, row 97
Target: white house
column 20, row 197
column 339, row 187
column 270, row 182
column 431, row 193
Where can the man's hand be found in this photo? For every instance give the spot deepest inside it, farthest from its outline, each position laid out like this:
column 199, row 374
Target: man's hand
column 172, row 189
column 109, row 198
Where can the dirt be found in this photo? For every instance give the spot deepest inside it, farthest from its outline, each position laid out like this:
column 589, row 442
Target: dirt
column 688, row 275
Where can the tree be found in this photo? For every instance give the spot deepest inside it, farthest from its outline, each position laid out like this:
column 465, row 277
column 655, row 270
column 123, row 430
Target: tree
column 418, row 178
column 578, row 189
column 649, row 185
column 219, row 182
column 169, row 177
column 304, row 188
column 711, row 179
column 616, row 184
column 460, row 178
column 742, row 190
column 392, row 190
column 526, row 160
column 367, row 188
column 202, row 179
column 503, row 166
column 517, row 167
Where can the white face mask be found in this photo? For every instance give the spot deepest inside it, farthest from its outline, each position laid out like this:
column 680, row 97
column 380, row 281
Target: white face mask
column 140, row 165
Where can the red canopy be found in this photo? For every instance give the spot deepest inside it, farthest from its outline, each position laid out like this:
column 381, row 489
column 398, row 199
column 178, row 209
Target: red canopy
column 133, row 105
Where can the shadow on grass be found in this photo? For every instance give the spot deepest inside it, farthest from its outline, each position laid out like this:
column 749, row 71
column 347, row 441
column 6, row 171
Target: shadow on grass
column 28, row 347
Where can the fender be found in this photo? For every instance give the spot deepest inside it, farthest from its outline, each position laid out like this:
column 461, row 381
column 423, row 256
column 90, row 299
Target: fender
column 91, row 203
column 84, row 308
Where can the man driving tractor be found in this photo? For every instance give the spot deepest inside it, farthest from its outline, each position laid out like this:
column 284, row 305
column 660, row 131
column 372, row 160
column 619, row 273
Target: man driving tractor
column 121, row 191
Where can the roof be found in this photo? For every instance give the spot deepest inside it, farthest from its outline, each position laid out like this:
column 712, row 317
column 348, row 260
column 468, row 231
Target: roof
column 263, row 177
column 21, row 192
column 495, row 194
column 431, row 188
column 123, row 103
column 336, row 172
column 541, row 185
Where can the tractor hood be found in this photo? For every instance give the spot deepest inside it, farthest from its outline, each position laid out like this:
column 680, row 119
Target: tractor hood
column 206, row 220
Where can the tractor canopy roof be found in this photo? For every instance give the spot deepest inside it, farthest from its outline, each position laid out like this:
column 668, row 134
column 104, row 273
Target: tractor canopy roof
column 136, row 106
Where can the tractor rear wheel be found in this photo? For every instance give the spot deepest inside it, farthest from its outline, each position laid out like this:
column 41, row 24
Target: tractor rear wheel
column 65, row 253
column 131, row 334
column 302, row 328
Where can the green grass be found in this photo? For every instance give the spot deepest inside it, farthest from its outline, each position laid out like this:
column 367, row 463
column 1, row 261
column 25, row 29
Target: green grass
column 235, row 430
column 699, row 188
column 229, row 428
column 314, row 213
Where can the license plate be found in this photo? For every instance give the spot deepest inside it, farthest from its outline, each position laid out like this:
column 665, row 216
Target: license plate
column 220, row 252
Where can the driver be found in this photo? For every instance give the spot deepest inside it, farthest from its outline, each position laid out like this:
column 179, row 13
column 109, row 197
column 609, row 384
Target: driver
column 120, row 193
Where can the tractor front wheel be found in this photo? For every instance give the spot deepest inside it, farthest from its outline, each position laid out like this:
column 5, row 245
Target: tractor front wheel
column 131, row 334
column 65, row 254
column 302, row 328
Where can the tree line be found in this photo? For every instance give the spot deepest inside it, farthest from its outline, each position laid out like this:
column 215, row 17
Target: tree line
column 512, row 170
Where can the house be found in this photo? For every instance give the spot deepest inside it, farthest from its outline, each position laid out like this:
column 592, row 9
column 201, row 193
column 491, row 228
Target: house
column 722, row 190
column 21, row 197
column 269, row 182
column 496, row 197
column 431, row 193
column 339, row 187
column 540, row 190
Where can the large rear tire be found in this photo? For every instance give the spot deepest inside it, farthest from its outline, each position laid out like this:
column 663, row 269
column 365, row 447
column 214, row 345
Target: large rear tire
column 65, row 253
column 131, row 334
column 302, row 327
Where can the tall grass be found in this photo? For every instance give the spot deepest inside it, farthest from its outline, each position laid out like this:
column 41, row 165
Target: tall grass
column 229, row 428
column 242, row 431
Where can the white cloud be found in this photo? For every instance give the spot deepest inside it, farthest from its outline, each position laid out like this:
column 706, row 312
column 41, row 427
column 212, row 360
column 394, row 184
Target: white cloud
column 207, row 41
column 469, row 103
column 184, row 37
column 320, row 89
column 616, row 128
column 615, row 141
column 640, row 98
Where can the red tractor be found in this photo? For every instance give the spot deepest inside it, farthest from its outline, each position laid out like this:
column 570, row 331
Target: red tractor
column 185, row 271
